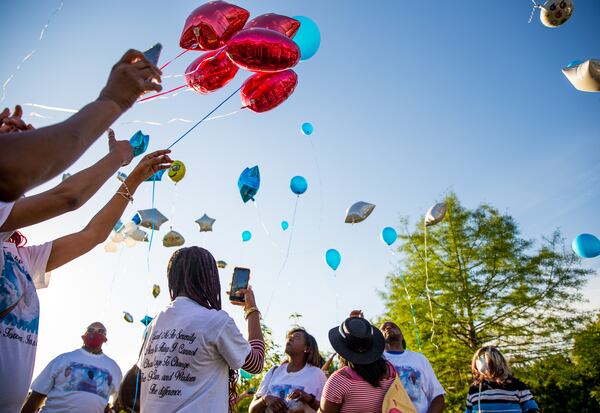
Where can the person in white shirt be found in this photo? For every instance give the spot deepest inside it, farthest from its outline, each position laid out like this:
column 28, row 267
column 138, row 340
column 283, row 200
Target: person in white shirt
column 26, row 268
column 416, row 373
column 297, row 384
column 192, row 349
column 79, row 381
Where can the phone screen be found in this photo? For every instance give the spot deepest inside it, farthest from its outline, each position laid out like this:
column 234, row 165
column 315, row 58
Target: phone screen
column 153, row 53
column 240, row 279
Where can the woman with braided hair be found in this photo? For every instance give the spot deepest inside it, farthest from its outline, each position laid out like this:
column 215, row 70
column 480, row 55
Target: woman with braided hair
column 193, row 349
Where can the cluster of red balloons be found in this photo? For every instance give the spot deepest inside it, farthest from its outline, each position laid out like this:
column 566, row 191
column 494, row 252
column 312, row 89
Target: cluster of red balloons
column 262, row 45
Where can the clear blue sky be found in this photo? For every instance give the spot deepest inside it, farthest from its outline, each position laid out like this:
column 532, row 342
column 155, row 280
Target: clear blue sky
column 408, row 99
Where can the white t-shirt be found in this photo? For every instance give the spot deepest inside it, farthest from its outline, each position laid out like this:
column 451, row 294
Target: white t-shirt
column 186, row 358
column 417, row 377
column 78, row 381
column 23, row 271
column 280, row 383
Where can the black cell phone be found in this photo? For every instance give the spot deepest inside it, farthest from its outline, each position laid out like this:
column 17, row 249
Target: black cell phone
column 153, row 54
column 239, row 281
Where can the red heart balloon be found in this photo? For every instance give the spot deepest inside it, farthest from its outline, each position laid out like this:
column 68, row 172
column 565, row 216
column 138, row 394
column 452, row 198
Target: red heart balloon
column 263, row 50
column 211, row 25
column 210, row 71
column 265, row 91
column 282, row 24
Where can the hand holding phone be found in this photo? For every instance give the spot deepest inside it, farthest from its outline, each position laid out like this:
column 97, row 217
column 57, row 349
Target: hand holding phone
column 239, row 281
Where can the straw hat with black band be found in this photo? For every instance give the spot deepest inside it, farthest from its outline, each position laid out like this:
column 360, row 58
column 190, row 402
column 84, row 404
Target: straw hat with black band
column 357, row 341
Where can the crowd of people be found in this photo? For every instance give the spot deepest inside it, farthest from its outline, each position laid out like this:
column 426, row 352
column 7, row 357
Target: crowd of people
column 192, row 350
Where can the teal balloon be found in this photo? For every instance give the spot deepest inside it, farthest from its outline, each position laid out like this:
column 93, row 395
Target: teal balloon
column 246, row 235
column 284, row 225
column 298, row 185
column 157, row 176
column 245, row 374
column 586, row 246
column 248, row 183
column 308, row 37
column 139, row 143
column 307, row 128
column 333, row 258
column 389, row 235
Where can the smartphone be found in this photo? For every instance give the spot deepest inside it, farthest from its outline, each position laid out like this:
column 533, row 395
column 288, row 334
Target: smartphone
column 239, row 281
column 153, row 54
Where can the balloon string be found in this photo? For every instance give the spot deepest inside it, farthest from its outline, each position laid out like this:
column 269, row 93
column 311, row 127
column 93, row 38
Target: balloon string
column 112, row 283
column 205, row 117
column 320, row 191
column 285, row 260
column 152, row 228
column 137, row 389
column 428, row 291
column 337, row 298
column 175, row 58
column 412, row 309
column 161, row 93
column 264, row 227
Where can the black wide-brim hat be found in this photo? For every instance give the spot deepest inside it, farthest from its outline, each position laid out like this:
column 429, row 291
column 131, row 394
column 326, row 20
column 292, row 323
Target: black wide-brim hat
column 357, row 340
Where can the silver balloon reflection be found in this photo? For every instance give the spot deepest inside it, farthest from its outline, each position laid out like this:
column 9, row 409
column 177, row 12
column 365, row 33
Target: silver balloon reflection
column 205, row 223
column 221, row 264
column 435, row 214
column 173, row 239
column 151, row 217
column 358, row 212
column 66, row 175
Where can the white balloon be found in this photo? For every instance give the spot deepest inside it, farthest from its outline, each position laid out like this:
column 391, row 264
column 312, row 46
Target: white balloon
column 130, row 242
column 110, row 247
column 584, row 76
column 130, row 227
column 435, row 214
column 117, row 237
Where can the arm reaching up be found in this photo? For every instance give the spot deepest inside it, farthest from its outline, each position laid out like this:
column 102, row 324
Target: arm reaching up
column 48, row 151
column 69, row 247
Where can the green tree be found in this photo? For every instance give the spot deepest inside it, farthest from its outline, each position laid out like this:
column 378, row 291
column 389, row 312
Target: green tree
column 487, row 285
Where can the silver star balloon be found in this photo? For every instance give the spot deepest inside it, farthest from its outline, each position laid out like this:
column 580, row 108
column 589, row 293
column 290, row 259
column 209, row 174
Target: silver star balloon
column 205, row 223
column 173, row 239
column 435, row 214
column 138, row 235
column 148, row 217
column 358, row 212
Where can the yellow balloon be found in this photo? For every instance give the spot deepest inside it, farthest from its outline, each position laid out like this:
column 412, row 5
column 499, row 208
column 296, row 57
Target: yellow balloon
column 177, row 171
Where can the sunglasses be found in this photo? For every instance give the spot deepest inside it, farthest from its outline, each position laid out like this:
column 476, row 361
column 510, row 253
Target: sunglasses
column 97, row 330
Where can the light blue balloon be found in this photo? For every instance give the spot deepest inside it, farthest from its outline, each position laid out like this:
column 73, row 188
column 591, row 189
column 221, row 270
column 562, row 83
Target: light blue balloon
column 139, row 143
column 333, row 258
column 298, row 185
column 389, row 235
column 246, row 235
column 157, row 176
column 308, row 37
column 307, row 128
column 586, row 246
column 284, row 225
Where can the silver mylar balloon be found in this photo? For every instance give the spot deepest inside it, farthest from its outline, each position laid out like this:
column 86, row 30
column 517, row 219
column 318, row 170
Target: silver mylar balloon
column 221, row 264
column 358, row 212
column 65, row 176
column 127, row 317
column 435, row 214
column 173, row 239
column 137, row 235
column 205, row 223
column 148, row 216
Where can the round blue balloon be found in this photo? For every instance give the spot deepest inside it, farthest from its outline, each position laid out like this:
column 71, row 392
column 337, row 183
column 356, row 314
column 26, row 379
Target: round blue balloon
column 333, row 258
column 307, row 128
column 389, row 235
column 308, row 37
column 284, row 225
column 586, row 246
column 298, row 185
column 246, row 235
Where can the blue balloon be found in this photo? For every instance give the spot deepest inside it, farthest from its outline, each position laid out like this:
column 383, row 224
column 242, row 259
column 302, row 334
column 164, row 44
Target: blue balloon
column 157, row 176
column 248, row 183
column 119, row 225
column 146, row 320
column 137, row 220
column 308, row 37
column 333, row 259
column 389, row 235
column 307, row 128
column 246, row 235
column 298, row 185
column 139, row 142
column 284, row 225
column 586, row 246
column 574, row 63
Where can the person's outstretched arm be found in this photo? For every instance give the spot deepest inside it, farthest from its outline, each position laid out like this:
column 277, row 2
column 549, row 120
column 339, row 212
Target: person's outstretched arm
column 72, row 193
column 69, row 247
column 32, row 157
